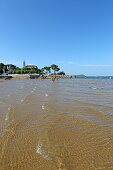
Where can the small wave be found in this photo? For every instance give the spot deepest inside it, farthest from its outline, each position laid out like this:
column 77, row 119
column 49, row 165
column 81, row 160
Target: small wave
column 34, row 88
column 43, row 107
column 26, row 99
column 46, row 95
column 22, row 100
column 40, row 150
column 7, row 115
column 9, row 108
column 96, row 88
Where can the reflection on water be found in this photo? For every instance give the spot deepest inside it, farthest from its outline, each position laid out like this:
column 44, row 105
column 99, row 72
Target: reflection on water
column 66, row 125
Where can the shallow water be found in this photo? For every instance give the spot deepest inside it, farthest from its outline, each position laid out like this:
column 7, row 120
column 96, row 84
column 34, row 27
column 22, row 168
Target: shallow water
column 66, row 125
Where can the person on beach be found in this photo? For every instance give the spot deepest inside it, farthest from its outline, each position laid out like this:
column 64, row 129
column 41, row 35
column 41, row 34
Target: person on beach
column 54, row 78
column 43, row 77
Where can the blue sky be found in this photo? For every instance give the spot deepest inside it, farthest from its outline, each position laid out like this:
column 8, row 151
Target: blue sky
column 77, row 35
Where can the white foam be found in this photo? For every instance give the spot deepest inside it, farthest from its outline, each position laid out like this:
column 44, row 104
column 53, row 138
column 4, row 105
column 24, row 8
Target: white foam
column 7, row 115
column 9, row 108
column 46, row 95
column 43, row 107
column 94, row 88
column 40, row 150
column 22, row 100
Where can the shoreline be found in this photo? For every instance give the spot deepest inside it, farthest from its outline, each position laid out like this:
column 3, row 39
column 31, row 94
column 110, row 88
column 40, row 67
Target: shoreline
column 32, row 76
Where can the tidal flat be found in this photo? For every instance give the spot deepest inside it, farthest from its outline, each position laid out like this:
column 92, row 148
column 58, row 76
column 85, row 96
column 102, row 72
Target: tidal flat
column 65, row 125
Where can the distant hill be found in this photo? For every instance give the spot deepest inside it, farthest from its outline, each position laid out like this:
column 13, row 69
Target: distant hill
column 79, row 76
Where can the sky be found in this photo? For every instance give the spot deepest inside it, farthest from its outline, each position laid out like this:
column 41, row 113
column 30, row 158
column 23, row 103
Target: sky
column 77, row 35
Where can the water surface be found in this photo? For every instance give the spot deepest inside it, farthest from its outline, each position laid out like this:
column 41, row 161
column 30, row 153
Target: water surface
column 66, row 125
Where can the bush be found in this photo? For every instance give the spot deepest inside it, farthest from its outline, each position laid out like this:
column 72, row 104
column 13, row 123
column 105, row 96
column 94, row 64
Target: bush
column 11, row 72
column 61, row 73
column 18, row 71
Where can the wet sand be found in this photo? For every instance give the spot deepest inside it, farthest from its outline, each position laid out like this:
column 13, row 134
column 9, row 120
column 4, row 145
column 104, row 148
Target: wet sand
column 66, row 125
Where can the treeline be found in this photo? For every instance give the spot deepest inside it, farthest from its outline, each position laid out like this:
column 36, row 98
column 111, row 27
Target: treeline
column 2, row 68
column 26, row 70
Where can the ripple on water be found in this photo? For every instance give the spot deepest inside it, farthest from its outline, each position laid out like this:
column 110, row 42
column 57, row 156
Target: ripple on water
column 40, row 150
column 67, row 130
column 43, row 107
column 7, row 115
column 46, row 95
column 49, row 155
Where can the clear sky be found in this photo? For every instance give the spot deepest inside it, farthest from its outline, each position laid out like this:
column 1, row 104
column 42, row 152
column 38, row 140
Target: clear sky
column 77, row 35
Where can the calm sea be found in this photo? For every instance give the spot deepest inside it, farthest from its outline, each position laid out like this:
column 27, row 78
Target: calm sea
column 65, row 125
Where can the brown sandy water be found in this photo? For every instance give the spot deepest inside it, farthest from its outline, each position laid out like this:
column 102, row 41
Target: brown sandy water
column 67, row 125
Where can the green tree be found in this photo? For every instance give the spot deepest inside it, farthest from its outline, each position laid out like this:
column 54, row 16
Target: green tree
column 10, row 72
column 47, row 69
column 5, row 68
column 18, row 71
column 61, row 73
column 38, row 71
column 23, row 71
column 55, row 68
column 1, row 68
column 25, row 68
column 42, row 70
column 34, row 68
column 17, row 68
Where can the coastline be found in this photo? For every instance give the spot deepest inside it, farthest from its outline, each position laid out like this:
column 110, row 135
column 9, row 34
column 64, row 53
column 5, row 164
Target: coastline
column 32, row 76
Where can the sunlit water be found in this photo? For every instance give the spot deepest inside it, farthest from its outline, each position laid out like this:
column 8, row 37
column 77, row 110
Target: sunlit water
column 66, row 125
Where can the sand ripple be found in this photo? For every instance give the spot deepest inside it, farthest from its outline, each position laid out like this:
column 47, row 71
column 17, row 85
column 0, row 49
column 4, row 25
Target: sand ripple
column 62, row 126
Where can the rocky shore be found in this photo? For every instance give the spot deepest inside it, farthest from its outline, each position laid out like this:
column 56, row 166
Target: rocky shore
column 5, row 77
column 32, row 76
